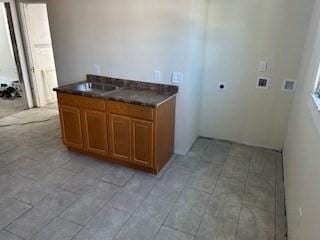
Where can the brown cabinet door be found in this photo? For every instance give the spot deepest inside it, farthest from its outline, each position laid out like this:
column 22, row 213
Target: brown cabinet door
column 71, row 126
column 120, row 137
column 142, row 142
column 95, row 131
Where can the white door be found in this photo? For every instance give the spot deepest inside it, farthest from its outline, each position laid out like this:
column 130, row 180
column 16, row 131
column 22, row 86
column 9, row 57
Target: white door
column 41, row 59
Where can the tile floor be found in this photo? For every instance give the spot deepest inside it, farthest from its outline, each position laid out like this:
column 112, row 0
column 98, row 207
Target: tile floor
column 218, row 191
column 8, row 107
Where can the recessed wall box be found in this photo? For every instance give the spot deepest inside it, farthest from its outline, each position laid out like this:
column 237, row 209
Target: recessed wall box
column 263, row 82
column 289, row 85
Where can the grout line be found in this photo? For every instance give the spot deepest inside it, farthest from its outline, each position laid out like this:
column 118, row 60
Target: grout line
column 181, row 231
column 30, row 204
column 75, row 235
column 69, row 220
column 5, row 227
column 174, row 204
column 200, row 152
column 165, row 219
column 259, row 208
column 59, row 213
column 18, row 237
column 123, row 225
column 275, row 204
column 131, row 214
column 242, row 200
column 51, row 220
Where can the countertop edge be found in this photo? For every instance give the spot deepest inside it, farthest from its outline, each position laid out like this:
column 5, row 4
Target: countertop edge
column 163, row 91
column 108, row 98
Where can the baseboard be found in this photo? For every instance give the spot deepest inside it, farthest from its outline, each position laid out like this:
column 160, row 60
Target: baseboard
column 184, row 152
column 261, row 146
column 246, row 143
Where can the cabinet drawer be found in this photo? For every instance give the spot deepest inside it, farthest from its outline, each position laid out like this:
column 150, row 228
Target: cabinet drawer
column 83, row 102
column 130, row 110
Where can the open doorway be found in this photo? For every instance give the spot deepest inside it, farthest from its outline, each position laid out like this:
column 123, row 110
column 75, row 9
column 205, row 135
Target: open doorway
column 36, row 30
column 12, row 92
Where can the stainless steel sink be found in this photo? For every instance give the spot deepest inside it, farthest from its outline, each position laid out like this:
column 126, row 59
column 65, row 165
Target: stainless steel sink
column 95, row 88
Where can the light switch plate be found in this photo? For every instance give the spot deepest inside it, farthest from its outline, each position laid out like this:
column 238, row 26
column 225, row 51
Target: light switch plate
column 177, row 77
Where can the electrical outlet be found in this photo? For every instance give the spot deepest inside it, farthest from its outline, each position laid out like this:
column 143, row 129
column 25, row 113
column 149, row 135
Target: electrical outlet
column 263, row 66
column 177, row 77
column 97, row 69
column 300, row 212
column 157, row 76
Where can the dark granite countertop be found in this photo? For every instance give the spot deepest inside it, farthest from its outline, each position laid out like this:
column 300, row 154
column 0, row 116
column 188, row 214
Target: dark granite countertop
column 133, row 92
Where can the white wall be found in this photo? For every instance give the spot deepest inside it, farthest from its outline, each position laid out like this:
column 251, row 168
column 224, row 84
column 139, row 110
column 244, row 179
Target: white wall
column 240, row 33
column 195, row 69
column 131, row 39
column 7, row 64
column 302, row 146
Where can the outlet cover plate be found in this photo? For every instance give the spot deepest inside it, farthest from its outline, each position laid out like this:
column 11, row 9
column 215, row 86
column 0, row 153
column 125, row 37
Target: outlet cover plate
column 177, row 77
column 157, row 76
column 97, row 69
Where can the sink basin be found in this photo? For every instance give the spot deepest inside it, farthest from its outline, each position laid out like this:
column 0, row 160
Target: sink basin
column 95, row 88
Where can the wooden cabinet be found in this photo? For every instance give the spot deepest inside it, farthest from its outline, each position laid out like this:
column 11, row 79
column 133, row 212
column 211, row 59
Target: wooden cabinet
column 120, row 137
column 83, row 123
column 71, row 126
column 94, row 125
column 133, row 135
column 142, row 142
column 130, row 110
column 131, row 140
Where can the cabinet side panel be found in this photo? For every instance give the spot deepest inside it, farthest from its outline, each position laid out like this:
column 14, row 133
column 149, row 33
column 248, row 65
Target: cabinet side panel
column 164, row 137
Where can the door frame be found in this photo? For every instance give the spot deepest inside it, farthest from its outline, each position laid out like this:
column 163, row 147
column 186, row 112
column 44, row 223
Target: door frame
column 21, row 54
column 28, row 48
column 30, row 57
